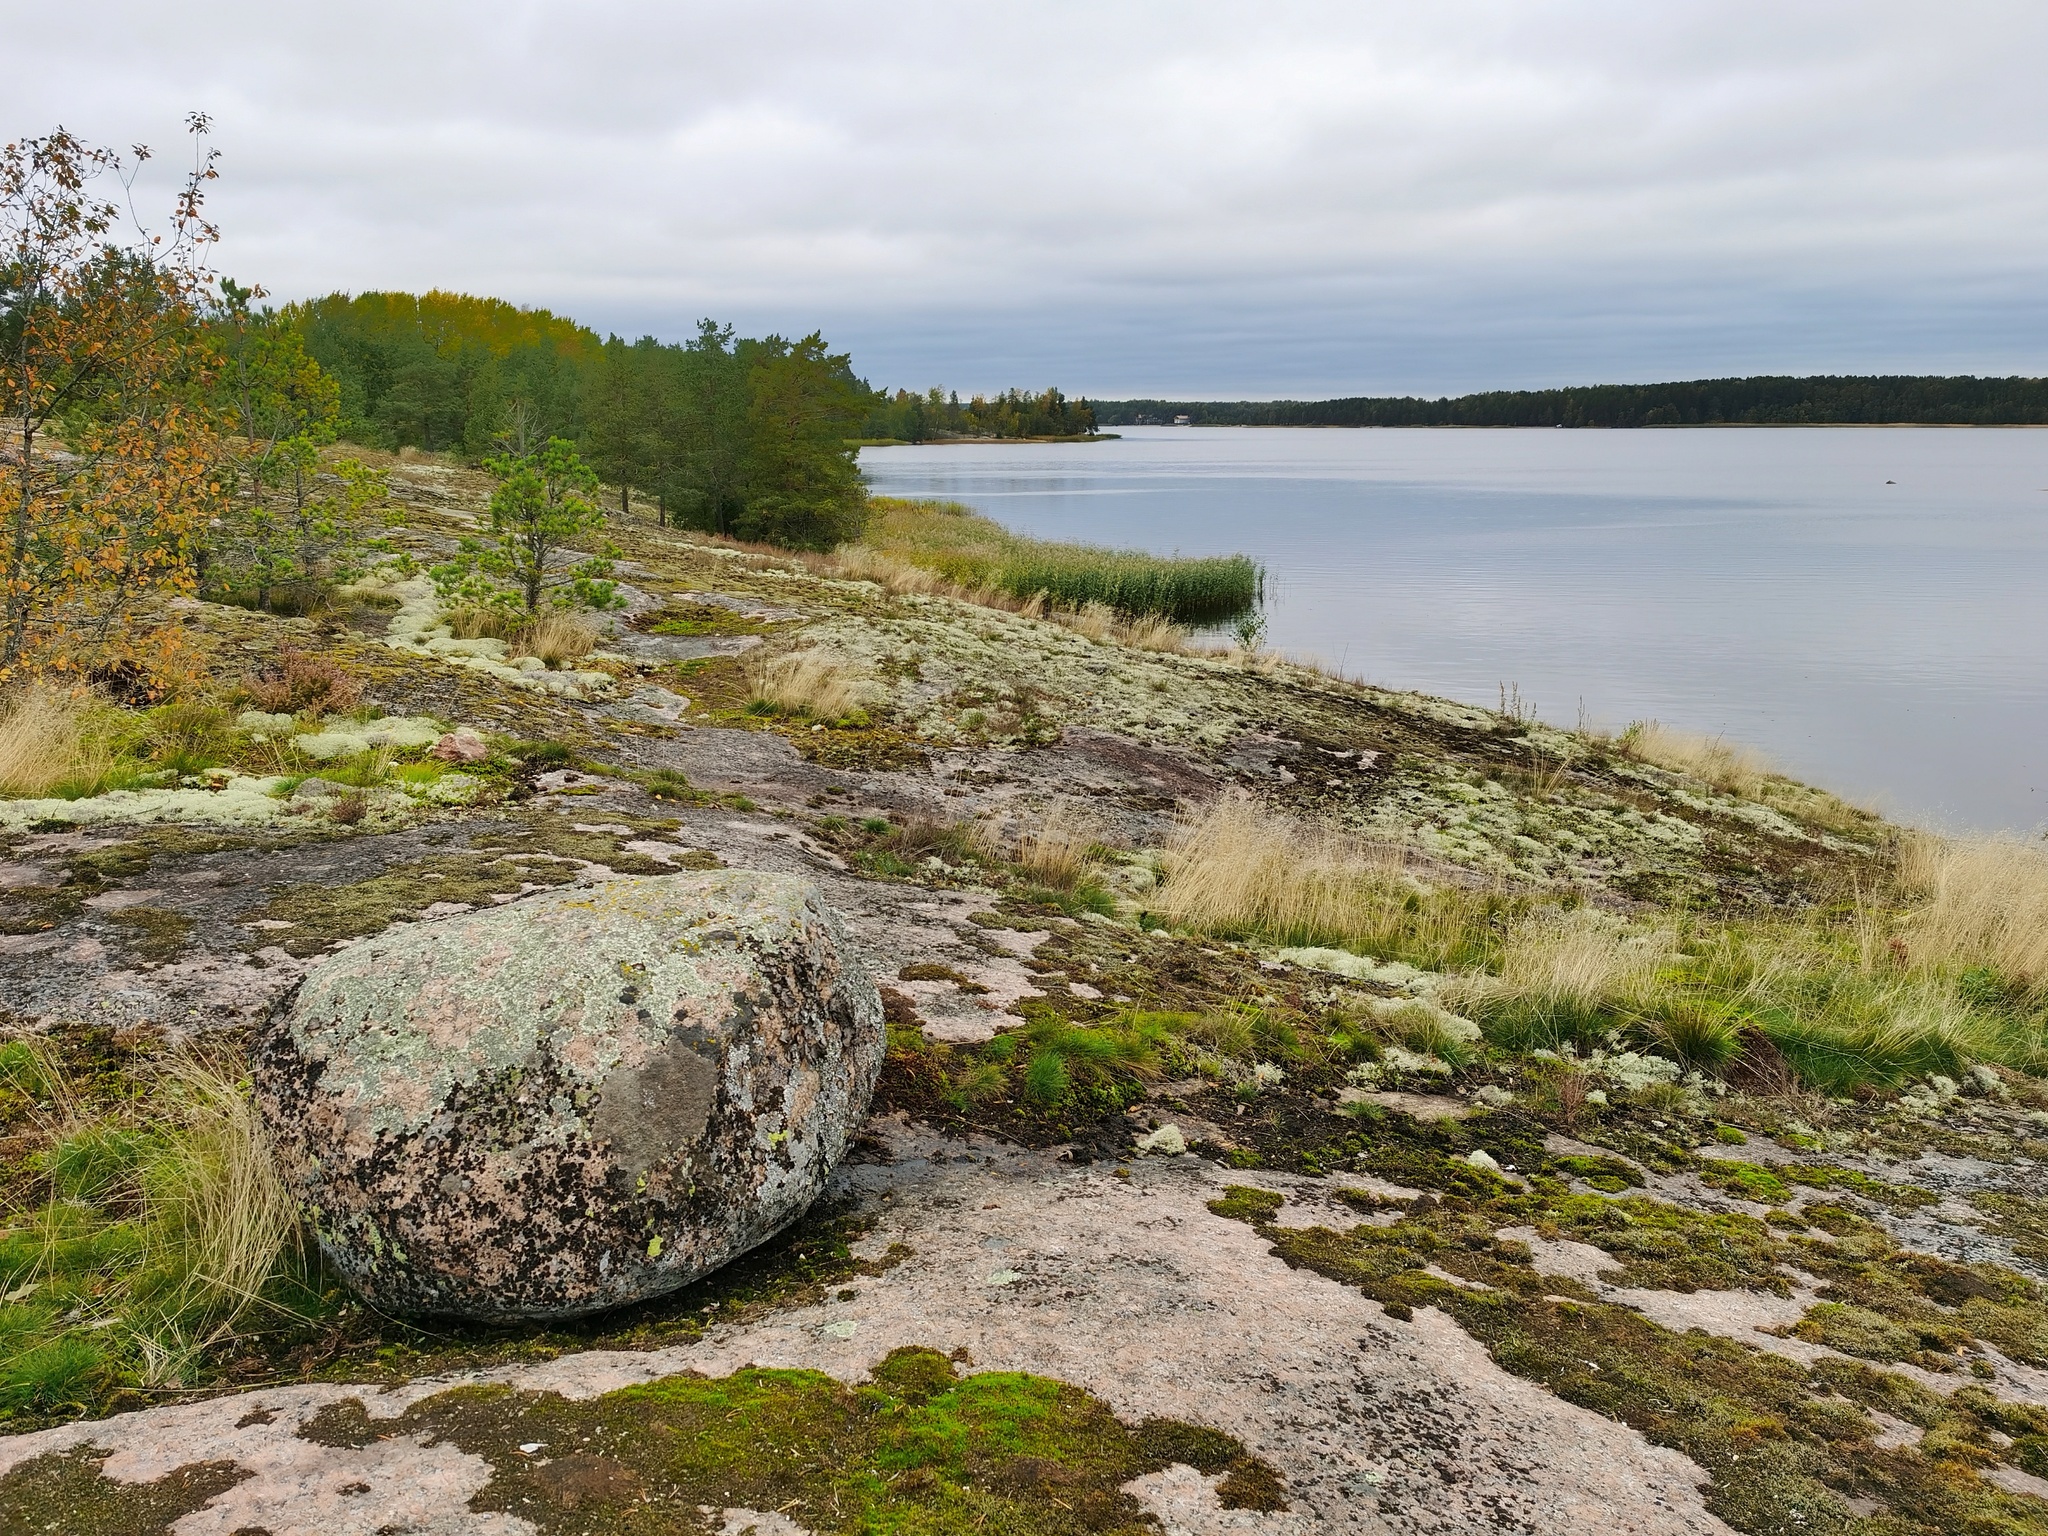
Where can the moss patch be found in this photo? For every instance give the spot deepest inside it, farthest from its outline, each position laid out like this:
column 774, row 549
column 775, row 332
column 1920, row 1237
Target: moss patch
column 66, row 1491
column 918, row 1449
column 1787, row 1446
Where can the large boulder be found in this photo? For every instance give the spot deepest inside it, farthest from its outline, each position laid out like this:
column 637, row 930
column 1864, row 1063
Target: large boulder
column 583, row 1099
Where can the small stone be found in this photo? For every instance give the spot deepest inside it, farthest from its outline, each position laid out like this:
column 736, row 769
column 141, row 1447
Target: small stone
column 461, row 746
column 1167, row 1141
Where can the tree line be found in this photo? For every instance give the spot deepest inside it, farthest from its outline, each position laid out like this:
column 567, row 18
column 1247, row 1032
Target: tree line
column 936, row 416
column 1767, row 400
column 166, row 433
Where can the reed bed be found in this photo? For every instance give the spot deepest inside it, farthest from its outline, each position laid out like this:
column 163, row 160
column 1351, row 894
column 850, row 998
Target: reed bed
column 962, row 548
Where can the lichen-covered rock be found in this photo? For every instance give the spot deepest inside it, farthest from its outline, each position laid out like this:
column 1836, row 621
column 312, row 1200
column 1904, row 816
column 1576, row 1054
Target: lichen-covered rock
column 581, row 1100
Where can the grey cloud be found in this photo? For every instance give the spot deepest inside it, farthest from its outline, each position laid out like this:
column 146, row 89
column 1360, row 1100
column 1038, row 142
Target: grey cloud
column 1184, row 197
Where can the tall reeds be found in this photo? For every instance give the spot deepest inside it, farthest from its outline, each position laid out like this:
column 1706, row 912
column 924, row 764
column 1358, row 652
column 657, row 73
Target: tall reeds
column 957, row 546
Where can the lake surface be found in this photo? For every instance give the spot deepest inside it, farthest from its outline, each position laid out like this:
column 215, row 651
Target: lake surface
column 1868, row 606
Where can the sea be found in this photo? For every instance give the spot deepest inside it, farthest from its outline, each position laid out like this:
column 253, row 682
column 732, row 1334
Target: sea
column 1866, row 606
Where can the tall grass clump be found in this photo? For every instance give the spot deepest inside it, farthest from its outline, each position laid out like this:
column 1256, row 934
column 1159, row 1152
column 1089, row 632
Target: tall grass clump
column 1733, row 769
column 1564, row 978
column 555, row 636
column 1242, row 869
column 810, row 683
column 1054, row 850
column 153, row 1229
column 1984, row 902
column 41, row 740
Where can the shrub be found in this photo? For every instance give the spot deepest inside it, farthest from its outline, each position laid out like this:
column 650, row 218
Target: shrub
column 300, row 683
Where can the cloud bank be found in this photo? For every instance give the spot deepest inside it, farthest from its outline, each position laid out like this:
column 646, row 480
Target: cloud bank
column 1186, row 199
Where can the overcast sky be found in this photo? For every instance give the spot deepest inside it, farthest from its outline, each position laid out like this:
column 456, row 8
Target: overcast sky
column 1181, row 199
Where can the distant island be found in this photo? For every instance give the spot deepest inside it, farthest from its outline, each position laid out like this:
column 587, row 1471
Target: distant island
column 1766, row 400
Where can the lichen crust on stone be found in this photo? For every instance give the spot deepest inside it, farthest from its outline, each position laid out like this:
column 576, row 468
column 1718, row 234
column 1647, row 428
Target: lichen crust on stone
column 574, row 1102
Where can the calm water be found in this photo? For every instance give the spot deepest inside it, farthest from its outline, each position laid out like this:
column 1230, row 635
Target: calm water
column 1868, row 606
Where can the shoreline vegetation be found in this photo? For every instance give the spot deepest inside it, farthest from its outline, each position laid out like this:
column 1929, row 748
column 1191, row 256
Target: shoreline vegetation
column 962, row 547
column 1765, row 400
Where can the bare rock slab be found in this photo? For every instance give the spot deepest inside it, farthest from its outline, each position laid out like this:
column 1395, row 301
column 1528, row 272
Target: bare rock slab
column 584, row 1099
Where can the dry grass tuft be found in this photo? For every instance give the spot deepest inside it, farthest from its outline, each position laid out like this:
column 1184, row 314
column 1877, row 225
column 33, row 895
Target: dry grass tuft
column 1238, row 867
column 45, row 741
column 1985, row 904
column 1055, row 851
column 810, row 683
column 1579, row 959
column 1735, row 770
column 221, row 1216
column 478, row 621
column 556, row 636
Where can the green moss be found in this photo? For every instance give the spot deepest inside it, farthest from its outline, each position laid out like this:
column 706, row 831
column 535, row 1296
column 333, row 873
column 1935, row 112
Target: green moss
column 151, row 934
column 66, row 1491
column 917, row 1450
column 1786, row 1446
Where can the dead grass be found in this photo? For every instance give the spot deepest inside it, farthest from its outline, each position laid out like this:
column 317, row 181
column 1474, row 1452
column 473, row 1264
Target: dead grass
column 556, row 636
column 220, row 1215
column 1055, row 850
column 809, row 683
column 45, row 741
column 1984, row 902
column 1240, row 868
column 1733, row 769
column 476, row 621
column 1580, row 959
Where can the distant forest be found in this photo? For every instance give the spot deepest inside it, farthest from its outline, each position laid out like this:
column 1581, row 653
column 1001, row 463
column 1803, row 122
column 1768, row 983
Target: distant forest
column 1828, row 400
column 934, row 416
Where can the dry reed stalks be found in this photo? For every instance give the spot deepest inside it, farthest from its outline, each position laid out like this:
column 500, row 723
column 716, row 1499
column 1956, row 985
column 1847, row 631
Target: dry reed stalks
column 1054, row 852
column 43, row 741
column 1733, row 769
column 1985, row 903
column 806, row 683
